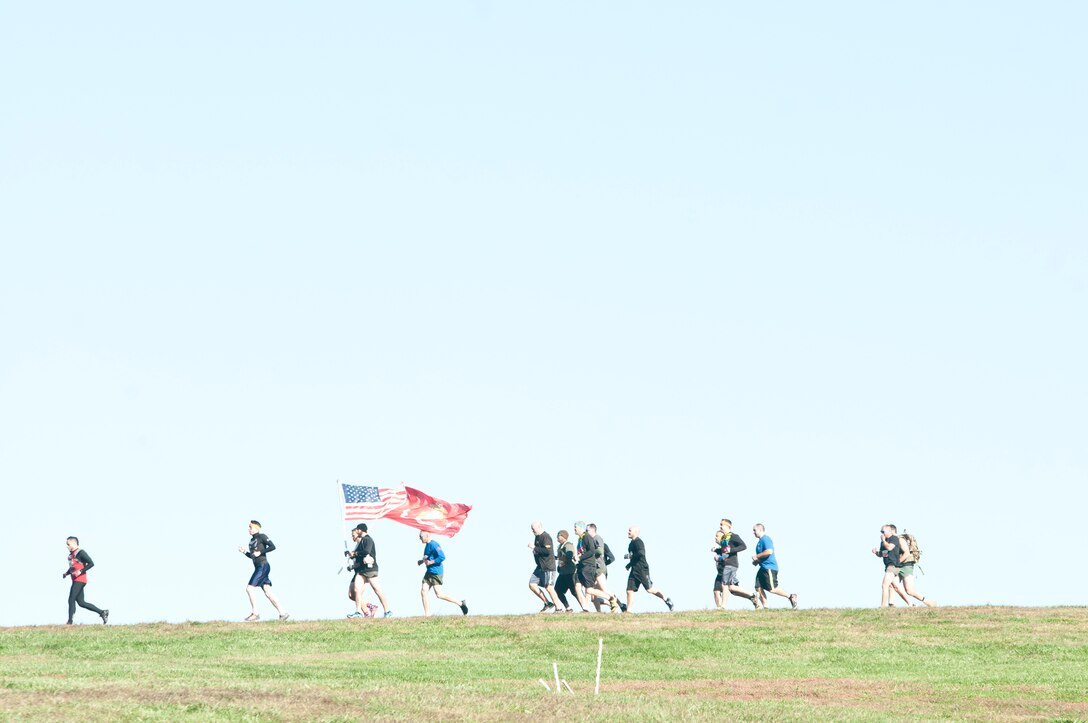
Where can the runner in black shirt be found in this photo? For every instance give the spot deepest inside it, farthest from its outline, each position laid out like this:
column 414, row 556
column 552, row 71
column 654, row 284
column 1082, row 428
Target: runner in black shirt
column 544, row 573
column 726, row 554
column 588, row 573
column 257, row 550
column 640, row 570
column 365, row 556
column 568, row 568
column 79, row 562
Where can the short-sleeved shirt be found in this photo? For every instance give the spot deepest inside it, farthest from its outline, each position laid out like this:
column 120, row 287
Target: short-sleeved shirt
column 543, row 552
column 433, row 551
column 892, row 558
column 770, row 562
column 364, row 548
column 637, row 550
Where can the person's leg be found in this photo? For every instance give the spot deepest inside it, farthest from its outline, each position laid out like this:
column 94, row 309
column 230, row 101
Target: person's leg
column 908, row 586
column 373, row 582
column 251, row 591
column 441, row 595
column 580, row 593
column 898, row 590
column 426, row 604
column 552, row 580
column 75, row 591
column 539, row 593
column 360, row 593
column 83, row 603
column 886, row 587
column 562, row 587
column 630, row 598
column 272, row 599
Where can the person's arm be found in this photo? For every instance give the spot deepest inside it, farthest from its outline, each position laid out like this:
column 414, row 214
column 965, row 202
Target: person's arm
column 736, row 545
column 269, row 546
column 439, row 557
column 543, row 548
column 83, row 557
column 761, row 555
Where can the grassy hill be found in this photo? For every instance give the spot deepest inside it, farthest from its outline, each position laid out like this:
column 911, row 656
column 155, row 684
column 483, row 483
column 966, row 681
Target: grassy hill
column 962, row 663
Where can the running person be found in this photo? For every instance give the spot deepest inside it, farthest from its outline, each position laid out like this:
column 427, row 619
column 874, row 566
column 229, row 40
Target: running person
column 79, row 562
column 767, row 574
column 544, row 574
column 728, row 548
column 433, row 557
column 259, row 546
column 640, row 570
column 589, row 575
column 568, row 567
column 366, row 573
column 719, row 601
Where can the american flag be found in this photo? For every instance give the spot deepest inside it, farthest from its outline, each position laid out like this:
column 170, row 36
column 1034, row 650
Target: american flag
column 371, row 503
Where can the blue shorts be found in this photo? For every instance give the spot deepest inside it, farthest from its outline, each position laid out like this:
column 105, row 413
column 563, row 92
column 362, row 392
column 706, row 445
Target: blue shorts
column 259, row 578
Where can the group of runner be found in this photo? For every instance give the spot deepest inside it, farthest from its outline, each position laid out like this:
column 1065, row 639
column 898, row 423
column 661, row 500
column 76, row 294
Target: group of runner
column 577, row 566
column 580, row 566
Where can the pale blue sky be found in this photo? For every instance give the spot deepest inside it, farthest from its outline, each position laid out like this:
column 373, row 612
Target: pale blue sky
column 817, row 266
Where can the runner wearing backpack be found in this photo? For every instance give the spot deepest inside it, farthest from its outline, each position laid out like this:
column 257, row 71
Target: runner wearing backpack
column 909, row 556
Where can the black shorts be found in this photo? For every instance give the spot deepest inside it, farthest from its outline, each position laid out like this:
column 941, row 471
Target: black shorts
column 588, row 577
column 767, row 579
column 639, row 577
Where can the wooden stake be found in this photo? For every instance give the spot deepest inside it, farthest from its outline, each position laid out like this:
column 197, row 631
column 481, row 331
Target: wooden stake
column 600, row 649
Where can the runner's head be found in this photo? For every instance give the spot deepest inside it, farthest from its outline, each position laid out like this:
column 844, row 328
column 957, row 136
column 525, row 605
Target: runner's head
column 579, row 528
column 726, row 525
column 591, row 528
column 537, row 528
column 424, row 537
column 73, row 543
column 888, row 530
column 254, row 527
column 361, row 528
column 356, row 534
column 562, row 536
column 632, row 532
column 758, row 530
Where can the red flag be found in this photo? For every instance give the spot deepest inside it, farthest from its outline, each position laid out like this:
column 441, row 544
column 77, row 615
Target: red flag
column 424, row 512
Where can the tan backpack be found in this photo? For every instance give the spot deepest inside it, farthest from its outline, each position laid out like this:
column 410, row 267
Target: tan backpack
column 909, row 552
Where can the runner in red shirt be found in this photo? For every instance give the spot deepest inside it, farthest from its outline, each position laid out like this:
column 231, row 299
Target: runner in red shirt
column 79, row 562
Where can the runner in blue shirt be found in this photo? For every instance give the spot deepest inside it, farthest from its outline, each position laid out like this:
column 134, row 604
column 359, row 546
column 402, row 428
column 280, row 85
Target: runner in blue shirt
column 433, row 557
column 767, row 575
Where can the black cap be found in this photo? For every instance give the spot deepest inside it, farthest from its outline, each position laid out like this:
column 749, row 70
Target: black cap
column 361, row 526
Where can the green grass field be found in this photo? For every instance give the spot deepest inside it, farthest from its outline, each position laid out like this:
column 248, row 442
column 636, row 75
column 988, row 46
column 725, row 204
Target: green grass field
column 945, row 663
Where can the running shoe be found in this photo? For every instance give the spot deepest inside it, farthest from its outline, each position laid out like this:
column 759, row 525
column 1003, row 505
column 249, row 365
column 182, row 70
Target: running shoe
column 929, row 603
column 544, row 609
column 793, row 600
column 668, row 602
column 253, row 617
column 285, row 616
column 105, row 616
column 464, row 607
column 613, row 603
column 623, row 607
column 756, row 603
column 355, row 614
column 388, row 614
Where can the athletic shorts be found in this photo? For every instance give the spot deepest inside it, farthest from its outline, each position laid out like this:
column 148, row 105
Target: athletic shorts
column 891, row 569
column 259, row 578
column 718, row 581
column 543, row 578
column 431, row 579
column 767, row 579
column 907, row 570
column 639, row 577
column 368, row 574
column 729, row 576
column 588, row 577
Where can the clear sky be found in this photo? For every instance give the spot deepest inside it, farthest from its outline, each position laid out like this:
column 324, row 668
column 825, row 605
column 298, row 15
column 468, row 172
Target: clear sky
column 821, row 266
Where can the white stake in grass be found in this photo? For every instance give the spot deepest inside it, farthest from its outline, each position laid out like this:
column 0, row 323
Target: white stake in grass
column 555, row 669
column 567, row 686
column 600, row 649
column 541, row 681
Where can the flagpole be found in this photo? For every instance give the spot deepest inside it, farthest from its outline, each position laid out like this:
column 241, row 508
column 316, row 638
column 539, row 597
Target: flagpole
column 340, row 502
